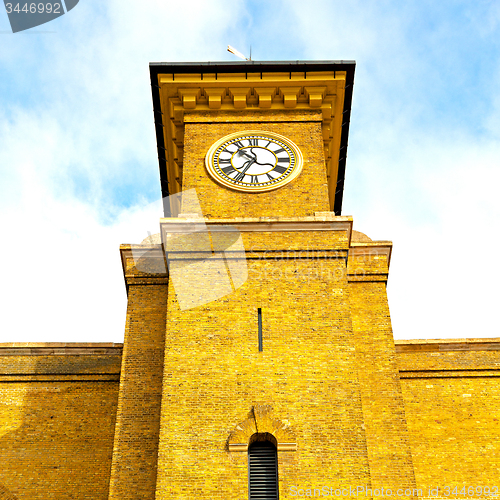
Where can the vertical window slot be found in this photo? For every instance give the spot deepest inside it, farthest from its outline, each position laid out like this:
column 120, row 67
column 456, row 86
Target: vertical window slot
column 259, row 318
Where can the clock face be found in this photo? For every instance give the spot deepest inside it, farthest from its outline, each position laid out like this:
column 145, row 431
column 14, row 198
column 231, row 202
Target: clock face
column 254, row 161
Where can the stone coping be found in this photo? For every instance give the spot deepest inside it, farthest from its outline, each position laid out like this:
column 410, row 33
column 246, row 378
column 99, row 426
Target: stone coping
column 317, row 217
column 461, row 344
column 60, row 348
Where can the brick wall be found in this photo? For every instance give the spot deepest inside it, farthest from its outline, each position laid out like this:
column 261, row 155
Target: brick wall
column 214, row 375
column 133, row 473
column 452, row 397
column 383, row 408
column 57, row 415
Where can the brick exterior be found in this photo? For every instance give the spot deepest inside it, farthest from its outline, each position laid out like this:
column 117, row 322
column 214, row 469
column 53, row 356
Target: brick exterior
column 57, row 416
column 214, row 375
column 452, row 394
column 308, row 371
column 58, row 404
column 133, row 474
column 387, row 437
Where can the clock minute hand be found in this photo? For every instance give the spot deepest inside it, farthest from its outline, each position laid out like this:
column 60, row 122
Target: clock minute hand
column 248, row 164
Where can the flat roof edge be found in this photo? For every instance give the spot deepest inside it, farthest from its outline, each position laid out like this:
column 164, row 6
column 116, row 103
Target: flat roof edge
column 233, row 66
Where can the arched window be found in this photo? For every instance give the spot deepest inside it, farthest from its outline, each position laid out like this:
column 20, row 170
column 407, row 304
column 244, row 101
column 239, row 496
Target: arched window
column 262, row 471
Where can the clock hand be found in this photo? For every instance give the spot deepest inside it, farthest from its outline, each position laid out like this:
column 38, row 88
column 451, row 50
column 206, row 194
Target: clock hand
column 247, row 155
column 248, row 164
column 241, row 173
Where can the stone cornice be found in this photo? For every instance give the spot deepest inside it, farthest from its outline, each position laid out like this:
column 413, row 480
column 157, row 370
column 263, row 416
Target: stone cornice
column 371, row 249
column 369, row 261
column 79, row 377
column 318, row 222
column 143, row 265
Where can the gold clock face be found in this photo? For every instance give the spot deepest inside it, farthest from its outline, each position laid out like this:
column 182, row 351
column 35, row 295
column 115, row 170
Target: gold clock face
column 254, row 161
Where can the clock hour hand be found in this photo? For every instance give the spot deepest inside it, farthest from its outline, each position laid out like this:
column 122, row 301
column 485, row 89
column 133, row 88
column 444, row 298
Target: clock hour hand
column 250, row 156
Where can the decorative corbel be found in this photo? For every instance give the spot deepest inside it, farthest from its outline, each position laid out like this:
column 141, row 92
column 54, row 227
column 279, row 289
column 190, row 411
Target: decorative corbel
column 189, row 97
column 290, row 95
column 239, row 96
column 215, row 97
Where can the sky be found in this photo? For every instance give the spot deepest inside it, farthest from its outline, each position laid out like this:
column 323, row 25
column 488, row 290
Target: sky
column 79, row 170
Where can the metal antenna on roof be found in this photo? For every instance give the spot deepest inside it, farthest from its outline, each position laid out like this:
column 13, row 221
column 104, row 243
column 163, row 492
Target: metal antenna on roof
column 237, row 53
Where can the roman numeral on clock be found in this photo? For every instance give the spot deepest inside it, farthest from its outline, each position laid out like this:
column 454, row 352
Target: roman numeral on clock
column 284, row 160
column 224, row 160
column 253, row 179
column 238, row 144
column 228, row 170
column 254, row 141
column 280, row 150
column 280, row 169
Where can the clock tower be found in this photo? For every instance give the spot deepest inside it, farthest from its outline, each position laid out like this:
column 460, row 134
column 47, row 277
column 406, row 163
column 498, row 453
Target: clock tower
column 258, row 359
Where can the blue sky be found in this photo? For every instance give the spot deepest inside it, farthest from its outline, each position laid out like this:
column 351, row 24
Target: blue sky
column 78, row 159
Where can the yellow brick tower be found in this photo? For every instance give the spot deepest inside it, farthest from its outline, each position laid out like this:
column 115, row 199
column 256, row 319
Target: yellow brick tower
column 257, row 322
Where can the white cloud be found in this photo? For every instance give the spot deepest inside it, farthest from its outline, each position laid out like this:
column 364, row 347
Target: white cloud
column 443, row 271
column 62, row 278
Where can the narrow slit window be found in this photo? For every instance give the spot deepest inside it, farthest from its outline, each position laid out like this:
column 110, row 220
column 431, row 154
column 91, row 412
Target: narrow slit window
column 259, row 319
column 263, row 471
